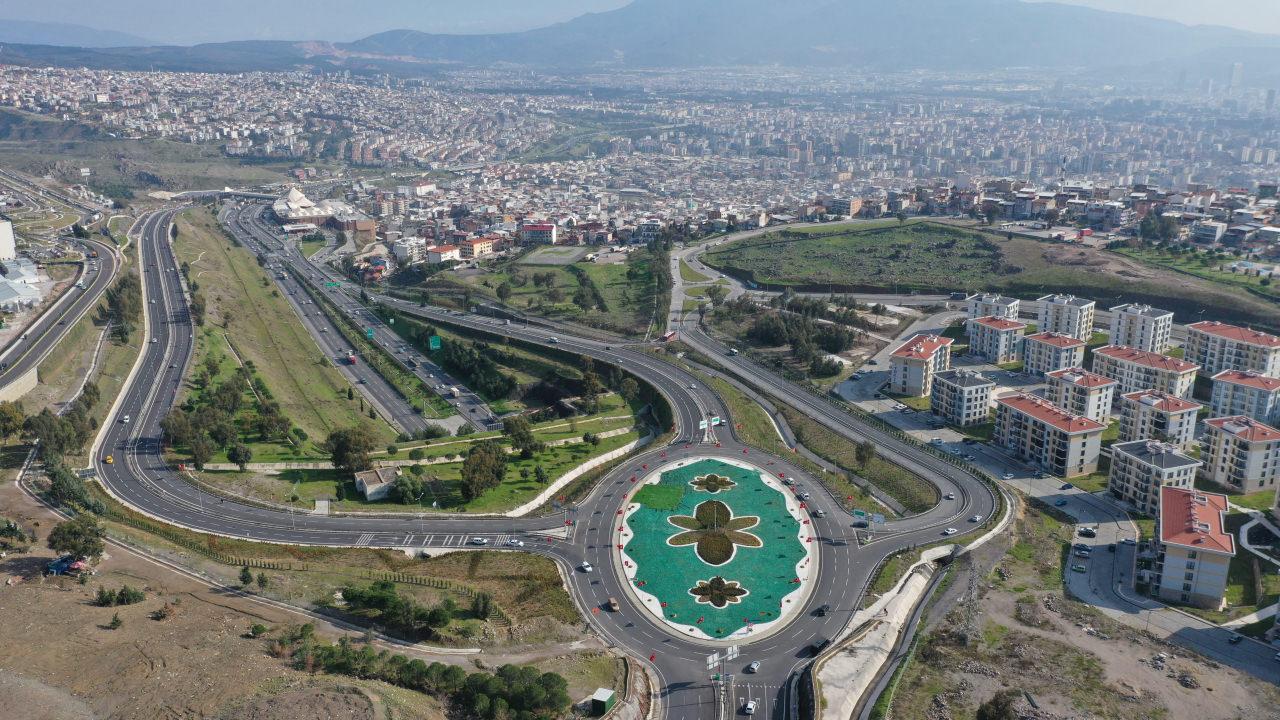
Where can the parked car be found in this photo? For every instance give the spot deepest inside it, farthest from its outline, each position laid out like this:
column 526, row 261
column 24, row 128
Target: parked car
column 1079, row 568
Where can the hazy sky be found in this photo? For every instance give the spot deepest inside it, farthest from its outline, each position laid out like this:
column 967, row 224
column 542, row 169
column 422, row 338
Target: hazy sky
column 192, row 21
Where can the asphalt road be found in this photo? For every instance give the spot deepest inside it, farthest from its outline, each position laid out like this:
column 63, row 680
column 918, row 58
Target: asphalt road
column 41, row 337
column 140, row 478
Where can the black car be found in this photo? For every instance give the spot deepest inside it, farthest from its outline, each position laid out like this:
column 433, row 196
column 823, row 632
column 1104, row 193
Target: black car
column 819, row 644
column 1235, row 639
column 822, row 610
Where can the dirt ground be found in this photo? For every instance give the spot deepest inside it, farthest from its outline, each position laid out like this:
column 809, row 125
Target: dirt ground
column 62, row 661
column 1075, row 663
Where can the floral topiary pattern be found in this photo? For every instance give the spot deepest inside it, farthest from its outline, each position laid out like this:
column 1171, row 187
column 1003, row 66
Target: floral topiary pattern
column 714, row 532
column 718, row 592
column 712, row 483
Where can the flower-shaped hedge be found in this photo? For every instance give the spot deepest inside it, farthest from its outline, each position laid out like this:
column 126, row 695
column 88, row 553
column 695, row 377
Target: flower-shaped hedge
column 712, row 483
column 718, row 592
column 714, row 532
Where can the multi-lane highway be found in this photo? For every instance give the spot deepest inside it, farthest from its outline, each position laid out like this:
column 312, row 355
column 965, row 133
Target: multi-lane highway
column 141, row 478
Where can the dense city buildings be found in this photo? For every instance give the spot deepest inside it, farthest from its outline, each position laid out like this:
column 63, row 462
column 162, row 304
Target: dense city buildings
column 1142, row 468
column 1042, row 353
column 1216, row 346
column 1141, row 370
column 1066, row 315
column 1042, row 434
column 1243, row 392
column 1155, row 415
column 1193, row 548
column 961, row 397
column 913, row 365
column 1241, row 453
column 1142, row 327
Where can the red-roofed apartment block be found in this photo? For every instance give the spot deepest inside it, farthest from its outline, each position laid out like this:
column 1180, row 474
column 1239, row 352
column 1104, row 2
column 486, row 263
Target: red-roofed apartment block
column 1194, row 550
column 1154, row 415
column 996, row 339
column 1043, row 434
column 1217, row 346
column 1244, row 392
column 1138, row 369
column 1241, row 453
column 1080, row 392
column 913, row 364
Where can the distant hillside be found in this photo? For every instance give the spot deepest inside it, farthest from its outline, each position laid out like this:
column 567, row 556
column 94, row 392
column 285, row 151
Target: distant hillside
column 28, row 32
column 976, row 35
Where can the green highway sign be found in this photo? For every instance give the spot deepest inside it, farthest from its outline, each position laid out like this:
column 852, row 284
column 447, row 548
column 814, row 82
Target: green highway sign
column 434, row 343
column 368, row 332
column 332, row 284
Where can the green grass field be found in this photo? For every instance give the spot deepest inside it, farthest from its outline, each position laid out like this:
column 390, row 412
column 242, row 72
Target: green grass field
column 264, row 329
column 934, row 257
column 688, row 274
column 660, row 497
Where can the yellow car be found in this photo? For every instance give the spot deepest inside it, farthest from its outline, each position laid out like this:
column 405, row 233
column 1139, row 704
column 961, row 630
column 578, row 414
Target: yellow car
column 110, row 460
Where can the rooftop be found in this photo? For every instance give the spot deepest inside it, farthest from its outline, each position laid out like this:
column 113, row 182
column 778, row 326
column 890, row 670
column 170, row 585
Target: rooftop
column 1161, row 455
column 1050, row 414
column 1066, row 300
column 1248, row 379
column 1245, row 428
column 1237, row 333
column 1148, row 359
column 996, row 323
column 1057, row 340
column 1194, row 519
column 1081, row 378
column 993, row 299
column 1142, row 310
column 1161, row 401
column 964, row 378
column 922, row 347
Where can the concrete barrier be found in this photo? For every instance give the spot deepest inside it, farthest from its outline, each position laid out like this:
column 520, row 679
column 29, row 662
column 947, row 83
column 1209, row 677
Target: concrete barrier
column 19, row 386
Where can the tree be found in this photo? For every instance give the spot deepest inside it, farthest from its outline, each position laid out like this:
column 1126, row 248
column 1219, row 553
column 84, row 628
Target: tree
column 351, row 394
column 408, row 488
column 81, row 536
column 540, row 474
column 521, row 434
column 482, row 605
column 504, row 291
column 484, row 469
column 11, row 419
column 864, row 452
column 246, row 576
column 717, row 294
column 240, row 454
column 201, row 448
column 1001, row 706
column 902, row 217
column 262, row 581
column 116, row 623
column 629, row 389
column 349, row 448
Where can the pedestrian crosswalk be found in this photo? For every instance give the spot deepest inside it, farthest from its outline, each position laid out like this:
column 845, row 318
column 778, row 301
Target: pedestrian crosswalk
column 449, row 540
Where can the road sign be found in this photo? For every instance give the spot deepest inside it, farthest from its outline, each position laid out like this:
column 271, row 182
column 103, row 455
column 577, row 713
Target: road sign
column 878, row 519
column 715, row 420
column 368, row 332
column 859, row 513
column 434, row 342
column 702, row 424
column 332, row 284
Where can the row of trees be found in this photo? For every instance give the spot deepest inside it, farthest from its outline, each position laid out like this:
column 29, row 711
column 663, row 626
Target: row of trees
column 471, row 361
column 124, row 306
column 214, row 417
column 405, row 617
column 59, row 435
column 512, row 693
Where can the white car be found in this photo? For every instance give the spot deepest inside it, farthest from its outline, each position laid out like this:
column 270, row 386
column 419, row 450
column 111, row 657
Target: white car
column 754, row 666
column 950, row 496
column 976, row 518
column 513, row 542
column 479, row 541
column 586, row 567
column 950, row 531
column 1007, row 476
column 749, row 708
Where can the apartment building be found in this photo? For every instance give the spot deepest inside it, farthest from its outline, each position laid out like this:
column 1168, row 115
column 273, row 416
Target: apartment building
column 1042, row 353
column 961, row 397
column 1043, row 434
column 997, row 340
column 1142, row 327
column 1240, row 453
column 539, row 234
column 1243, row 392
column 1194, row 549
column 1082, row 393
column 1067, row 315
column 408, row 251
column 1216, row 346
column 913, row 365
column 1141, row 370
column 1155, row 415
column 477, row 248
column 443, row 253
column 992, row 305
column 1139, row 469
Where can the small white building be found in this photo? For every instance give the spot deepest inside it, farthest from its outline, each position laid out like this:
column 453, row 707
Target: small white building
column 8, row 243
column 376, row 484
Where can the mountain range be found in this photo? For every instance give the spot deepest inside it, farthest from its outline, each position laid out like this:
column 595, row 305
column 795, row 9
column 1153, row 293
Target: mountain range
column 976, row 35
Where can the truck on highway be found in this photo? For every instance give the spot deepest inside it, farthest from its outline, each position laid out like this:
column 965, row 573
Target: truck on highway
column 93, row 253
column 455, row 392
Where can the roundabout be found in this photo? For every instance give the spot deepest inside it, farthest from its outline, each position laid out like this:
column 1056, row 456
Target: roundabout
column 716, row 549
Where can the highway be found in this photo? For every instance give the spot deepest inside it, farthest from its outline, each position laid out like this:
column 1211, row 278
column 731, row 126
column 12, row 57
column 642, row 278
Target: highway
column 141, row 479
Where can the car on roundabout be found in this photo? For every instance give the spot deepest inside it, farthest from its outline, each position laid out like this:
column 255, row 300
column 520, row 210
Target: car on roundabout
column 950, row 531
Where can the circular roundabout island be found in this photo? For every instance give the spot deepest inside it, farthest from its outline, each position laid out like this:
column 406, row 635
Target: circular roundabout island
column 716, row 549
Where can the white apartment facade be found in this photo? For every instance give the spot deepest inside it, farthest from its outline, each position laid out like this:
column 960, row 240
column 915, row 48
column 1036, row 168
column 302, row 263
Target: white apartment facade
column 1241, row 453
column 1139, row 469
column 1082, row 393
column 997, row 340
column 961, row 397
column 1243, row 392
column 1045, row 435
column 913, row 365
column 1216, row 346
column 992, row 305
column 1044, row 352
column 1142, row 327
column 1141, row 370
column 1155, row 415
column 1066, row 315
